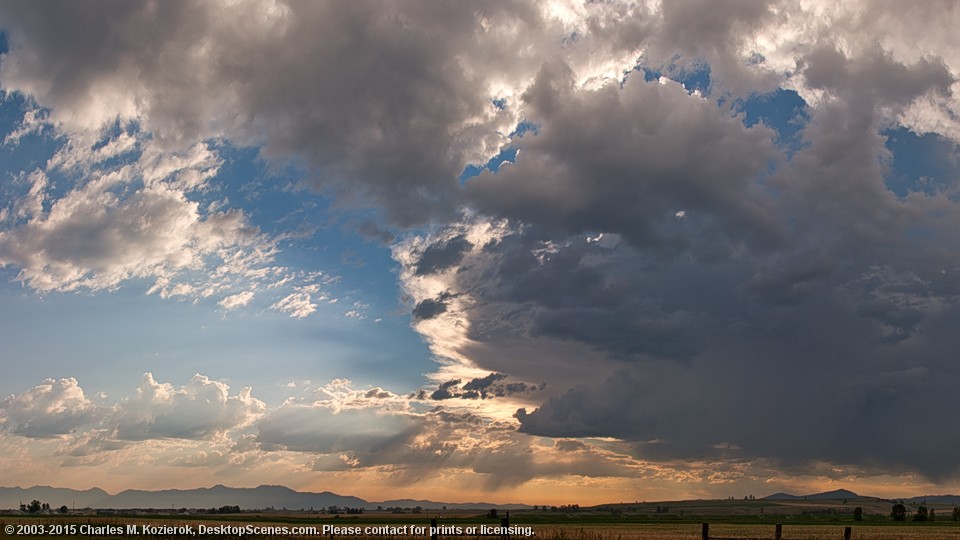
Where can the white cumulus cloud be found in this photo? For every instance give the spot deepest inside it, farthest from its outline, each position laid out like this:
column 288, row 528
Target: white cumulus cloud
column 52, row 408
column 201, row 409
column 235, row 301
column 297, row 305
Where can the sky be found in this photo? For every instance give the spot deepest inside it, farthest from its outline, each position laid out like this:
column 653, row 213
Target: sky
column 545, row 252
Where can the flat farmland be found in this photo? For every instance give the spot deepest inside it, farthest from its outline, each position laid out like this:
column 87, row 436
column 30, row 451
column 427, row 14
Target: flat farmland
column 676, row 531
column 570, row 531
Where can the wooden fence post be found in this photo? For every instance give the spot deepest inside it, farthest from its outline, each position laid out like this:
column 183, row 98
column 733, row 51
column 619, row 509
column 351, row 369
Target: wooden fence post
column 433, row 525
column 779, row 532
column 846, row 533
column 705, row 533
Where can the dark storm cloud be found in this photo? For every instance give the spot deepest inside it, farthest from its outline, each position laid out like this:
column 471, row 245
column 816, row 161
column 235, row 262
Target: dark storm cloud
column 444, row 392
column 431, row 307
column 814, row 378
column 902, row 321
column 480, row 387
column 428, row 309
column 483, row 388
column 711, row 32
column 786, row 282
column 798, row 318
column 626, row 303
column 875, row 78
column 625, row 160
column 378, row 393
column 811, row 410
column 439, row 257
column 373, row 100
column 819, row 350
column 482, row 383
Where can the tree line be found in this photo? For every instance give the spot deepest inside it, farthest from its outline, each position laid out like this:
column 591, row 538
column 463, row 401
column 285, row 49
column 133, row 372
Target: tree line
column 36, row 507
column 899, row 513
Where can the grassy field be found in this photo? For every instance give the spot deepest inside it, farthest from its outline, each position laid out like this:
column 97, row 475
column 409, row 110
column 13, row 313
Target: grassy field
column 671, row 520
column 584, row 530
column 677, row 531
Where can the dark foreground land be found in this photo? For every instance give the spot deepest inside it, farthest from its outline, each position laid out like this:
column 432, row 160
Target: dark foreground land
column 752, row 519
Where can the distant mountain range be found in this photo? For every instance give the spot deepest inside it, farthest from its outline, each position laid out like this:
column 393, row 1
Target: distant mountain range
column 280, row 497
column 930, row 499
column 826, row 495
column 262, row 497
column 847, row 494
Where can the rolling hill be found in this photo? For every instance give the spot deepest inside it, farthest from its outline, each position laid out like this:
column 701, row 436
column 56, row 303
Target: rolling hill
column 262, row 497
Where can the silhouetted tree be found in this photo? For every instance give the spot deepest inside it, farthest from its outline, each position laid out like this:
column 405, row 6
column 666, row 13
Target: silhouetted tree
column 956, row 513
column 921, row 514
column 492, row 513
column 899, row 512
column 64, row 509
column 933, row 515
column 858, row 514
column 34, row 506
